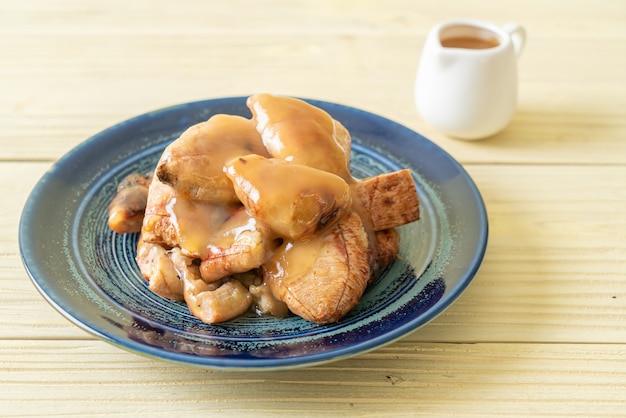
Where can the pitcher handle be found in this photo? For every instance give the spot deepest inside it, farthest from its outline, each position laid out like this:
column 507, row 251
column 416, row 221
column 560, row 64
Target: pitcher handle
column 517, row 34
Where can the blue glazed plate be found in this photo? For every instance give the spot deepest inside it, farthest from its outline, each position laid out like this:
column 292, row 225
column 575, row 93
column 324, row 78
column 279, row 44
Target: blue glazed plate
column 88, row 273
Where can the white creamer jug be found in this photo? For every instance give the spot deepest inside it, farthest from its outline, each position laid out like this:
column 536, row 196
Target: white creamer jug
column 466, row 84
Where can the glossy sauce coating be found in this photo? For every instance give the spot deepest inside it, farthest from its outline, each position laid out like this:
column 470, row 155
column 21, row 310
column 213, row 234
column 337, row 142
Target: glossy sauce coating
column 197, row 223
column 295, row 200
column 296, row 131
column 193, row 163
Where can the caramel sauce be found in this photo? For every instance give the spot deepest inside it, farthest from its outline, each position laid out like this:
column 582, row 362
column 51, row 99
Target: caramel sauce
column 196, row 223
column 299, row 132
column 234, row 230
column 470, row 42
column 221, row 138
column 295, row 200
column 193, row 163
column 292, row 259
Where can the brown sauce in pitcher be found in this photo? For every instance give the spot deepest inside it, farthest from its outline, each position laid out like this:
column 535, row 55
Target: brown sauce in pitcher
column 469, row 42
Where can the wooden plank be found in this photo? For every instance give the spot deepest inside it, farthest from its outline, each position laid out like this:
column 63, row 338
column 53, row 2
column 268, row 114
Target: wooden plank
column 96, row 65
column 91, row 378
column 541, row 330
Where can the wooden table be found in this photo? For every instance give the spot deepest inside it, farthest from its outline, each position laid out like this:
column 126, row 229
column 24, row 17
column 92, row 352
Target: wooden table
column 541, row 331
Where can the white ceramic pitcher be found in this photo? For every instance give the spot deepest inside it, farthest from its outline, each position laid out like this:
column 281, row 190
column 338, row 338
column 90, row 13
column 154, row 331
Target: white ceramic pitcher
column 466, row 84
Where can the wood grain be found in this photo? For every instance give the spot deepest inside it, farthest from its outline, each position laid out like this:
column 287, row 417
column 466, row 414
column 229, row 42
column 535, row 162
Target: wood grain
column 90, row 378
column 90, row 66
column 541, row 330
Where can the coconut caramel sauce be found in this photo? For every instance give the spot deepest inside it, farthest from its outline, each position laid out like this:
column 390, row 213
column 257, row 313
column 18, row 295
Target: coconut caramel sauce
column 296, row 131
column 295, row 200
column 197, row 223
column 193, row 164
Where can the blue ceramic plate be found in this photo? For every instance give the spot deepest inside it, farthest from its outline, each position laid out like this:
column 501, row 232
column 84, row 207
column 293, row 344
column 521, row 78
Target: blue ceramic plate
column 88, row 273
